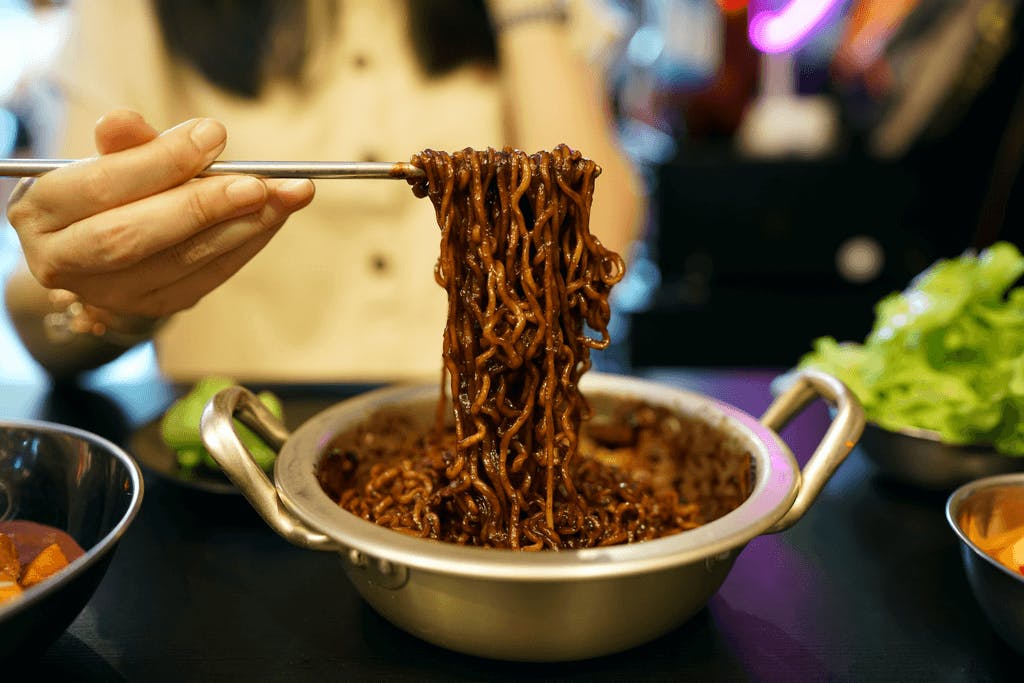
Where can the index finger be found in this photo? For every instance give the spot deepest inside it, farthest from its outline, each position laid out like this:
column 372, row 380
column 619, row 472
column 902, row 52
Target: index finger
column 94, row 185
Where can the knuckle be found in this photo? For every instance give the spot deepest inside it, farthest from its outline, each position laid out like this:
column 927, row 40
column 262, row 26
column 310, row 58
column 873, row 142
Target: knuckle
column 270, row 216
column 27, row 218
column 189, row 252
column 47, row 267
column 116, row 245
column 269, row 219
column 21, row 211
column 184, row 158
column 47, row 273
column 19, row 214
column 198, row 210
column 98, row 187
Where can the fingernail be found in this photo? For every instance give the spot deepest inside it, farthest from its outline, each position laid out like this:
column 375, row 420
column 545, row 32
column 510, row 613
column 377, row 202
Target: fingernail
column 208, row 134
column 245, row 191
column 295, row 190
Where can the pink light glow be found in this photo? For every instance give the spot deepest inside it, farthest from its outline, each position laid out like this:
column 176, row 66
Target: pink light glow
column 783, row 29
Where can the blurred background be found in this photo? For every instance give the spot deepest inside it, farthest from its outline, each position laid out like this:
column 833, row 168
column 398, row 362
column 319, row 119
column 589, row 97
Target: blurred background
column 806, row 157
column 803, row 159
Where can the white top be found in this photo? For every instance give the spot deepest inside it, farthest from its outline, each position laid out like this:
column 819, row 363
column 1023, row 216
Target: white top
column 346, row 290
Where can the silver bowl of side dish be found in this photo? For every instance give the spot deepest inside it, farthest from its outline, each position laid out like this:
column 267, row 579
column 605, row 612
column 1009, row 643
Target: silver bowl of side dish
column 987, row 515
column 920, row 458
column 66, row 498
column 534, row 606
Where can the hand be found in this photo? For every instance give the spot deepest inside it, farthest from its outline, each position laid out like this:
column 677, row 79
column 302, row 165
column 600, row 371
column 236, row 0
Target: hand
column 134, row 231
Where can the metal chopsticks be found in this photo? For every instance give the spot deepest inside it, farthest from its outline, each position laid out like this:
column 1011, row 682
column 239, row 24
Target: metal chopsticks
column 398, row 170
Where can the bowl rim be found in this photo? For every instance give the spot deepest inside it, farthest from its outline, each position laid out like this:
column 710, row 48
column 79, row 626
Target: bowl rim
column 961, row 494
column 776, row 482
column 915, row 432
column 936, row 437
column 93, row 554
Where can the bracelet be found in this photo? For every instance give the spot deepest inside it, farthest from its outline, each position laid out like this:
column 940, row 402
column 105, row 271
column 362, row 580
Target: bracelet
column 553, row 12
column 75, row 321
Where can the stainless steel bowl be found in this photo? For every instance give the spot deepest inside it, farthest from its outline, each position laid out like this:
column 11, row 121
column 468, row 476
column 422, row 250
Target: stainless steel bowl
column 918, row 457
column 546, row 606
column 999, row 591
column 80, row 483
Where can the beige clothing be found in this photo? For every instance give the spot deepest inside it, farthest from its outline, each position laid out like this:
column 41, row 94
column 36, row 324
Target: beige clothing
column 345, row 291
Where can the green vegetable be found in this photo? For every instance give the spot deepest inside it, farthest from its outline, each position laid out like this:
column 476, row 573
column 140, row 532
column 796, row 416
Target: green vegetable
column 179, row 427
column 946, row 354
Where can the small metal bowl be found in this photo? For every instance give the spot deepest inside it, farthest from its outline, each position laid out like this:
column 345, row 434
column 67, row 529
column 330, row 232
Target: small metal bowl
column 998, row 590
column 919, row 457
column 81, row 484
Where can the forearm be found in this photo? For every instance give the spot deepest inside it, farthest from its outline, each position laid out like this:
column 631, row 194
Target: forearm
column 554, row 96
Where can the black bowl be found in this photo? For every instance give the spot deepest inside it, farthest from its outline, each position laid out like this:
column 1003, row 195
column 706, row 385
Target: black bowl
column 81, row 484
column 918, row 457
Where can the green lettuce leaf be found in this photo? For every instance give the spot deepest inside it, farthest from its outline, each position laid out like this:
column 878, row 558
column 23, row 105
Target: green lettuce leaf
column 946, row 354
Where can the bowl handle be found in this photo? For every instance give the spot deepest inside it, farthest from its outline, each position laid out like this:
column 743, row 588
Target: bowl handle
column 839, row 439
column 218, row 431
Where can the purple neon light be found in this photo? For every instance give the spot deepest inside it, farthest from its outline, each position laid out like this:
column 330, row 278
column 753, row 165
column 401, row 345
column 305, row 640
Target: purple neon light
column 781, row 30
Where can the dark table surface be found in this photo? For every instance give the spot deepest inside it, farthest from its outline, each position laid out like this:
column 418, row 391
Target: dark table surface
column 867, row 586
